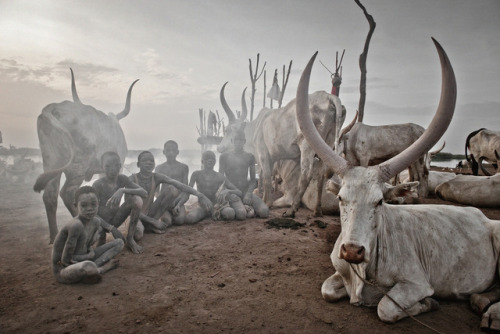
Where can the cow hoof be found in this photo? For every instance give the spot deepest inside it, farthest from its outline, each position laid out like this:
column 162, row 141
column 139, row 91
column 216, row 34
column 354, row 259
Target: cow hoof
column 289, row 214
column 479, row 303
column 318, row 213
column 491, row 319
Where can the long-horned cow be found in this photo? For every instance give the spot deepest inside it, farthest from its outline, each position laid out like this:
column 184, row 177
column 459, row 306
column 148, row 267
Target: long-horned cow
column 482, row 144
column 367, row 145
column 72, row 137
column 274, row 135
column 411, row 252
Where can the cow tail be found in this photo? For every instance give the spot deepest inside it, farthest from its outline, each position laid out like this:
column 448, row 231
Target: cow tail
column 467, row 141
column 42, row 180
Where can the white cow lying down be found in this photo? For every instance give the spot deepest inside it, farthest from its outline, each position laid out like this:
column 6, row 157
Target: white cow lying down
column 481, row 191
column 411, row 252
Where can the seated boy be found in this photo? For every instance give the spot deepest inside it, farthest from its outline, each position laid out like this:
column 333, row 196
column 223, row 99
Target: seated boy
column 110, row 190
column 218, row 189
column 73, row 258
column 153, row 209
column 178, row 171
column 239, row 167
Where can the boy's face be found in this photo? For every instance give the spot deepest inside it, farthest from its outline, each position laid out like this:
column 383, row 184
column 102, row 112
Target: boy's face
column 239, row 143
column 111, row 166
column 170, row 151
column 87, row 206
column 146, row 163
column 208, row 162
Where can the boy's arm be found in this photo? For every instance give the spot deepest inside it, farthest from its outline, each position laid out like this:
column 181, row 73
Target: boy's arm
column 74, row 232
column 111, row 229
column 179, row 185
column 126, row 187
column 132, row 188
column 232, row 188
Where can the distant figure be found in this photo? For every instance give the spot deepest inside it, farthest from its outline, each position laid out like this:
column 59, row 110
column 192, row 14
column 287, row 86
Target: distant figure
column 178, row 171
column 218, row 189
column 110, row 190
column 239, row 168
column 153, row 209
column 73, row 257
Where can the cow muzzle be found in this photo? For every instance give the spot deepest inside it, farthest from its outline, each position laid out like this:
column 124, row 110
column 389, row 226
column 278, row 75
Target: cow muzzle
column 352, row 253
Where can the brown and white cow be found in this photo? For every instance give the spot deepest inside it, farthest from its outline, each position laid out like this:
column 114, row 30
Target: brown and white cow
column 274, row 135
column 482, row 144
column 72, row 137
column 399, row 257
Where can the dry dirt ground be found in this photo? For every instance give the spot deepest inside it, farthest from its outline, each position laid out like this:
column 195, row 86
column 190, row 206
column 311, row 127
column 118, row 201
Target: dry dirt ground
column 214, row 277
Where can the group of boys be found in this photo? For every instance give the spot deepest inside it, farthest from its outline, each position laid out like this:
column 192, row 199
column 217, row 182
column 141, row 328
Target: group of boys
column 226, row 195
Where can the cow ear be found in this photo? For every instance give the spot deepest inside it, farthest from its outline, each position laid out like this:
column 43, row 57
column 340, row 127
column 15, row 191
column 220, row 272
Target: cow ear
column 333, row 186
column 400, row 190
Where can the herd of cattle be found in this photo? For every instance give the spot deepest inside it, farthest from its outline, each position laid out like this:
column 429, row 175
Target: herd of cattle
column 410, row 250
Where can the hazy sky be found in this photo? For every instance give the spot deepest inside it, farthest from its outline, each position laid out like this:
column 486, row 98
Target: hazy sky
column 183, row 51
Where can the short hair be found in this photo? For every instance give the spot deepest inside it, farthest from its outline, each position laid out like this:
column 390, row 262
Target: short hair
column 142, row 153
column 207, row 155
column 173, row 142
column 84, row 190
column 109, row 154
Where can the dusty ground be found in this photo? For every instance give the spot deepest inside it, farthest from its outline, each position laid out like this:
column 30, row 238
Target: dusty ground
column 236, row 277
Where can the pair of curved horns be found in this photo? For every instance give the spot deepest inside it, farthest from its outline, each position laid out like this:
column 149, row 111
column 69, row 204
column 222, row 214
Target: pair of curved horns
column 120, row 115
column 393, row 166
column 230, row 115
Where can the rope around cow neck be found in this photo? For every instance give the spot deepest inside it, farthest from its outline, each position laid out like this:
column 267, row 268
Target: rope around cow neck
column 392, row 299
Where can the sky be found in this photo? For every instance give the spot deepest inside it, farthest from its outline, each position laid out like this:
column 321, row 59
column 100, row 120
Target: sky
column 183, row 51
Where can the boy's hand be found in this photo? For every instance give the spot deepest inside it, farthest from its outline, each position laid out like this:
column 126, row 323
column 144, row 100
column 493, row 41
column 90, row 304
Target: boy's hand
column 117, row 234
column 206, row 203
column 247, row 199
column 114, row 200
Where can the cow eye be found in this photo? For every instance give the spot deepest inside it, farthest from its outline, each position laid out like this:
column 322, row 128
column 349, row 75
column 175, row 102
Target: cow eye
column 340, row 198
column 380, row 202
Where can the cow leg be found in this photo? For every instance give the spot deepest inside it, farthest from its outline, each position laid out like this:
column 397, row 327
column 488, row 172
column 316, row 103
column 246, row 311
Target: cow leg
column 491, row 318
column 68, row 190
column 306, row 164
column 319, row 188
column 423, row 177
column 50, row 195
column 481, row 301
column 333, row 288
column 266, row 179
column 413, row 297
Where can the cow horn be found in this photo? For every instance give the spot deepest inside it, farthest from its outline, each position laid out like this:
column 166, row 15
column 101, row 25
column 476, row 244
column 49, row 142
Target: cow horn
column 229, row 112
column 127, row 103
column 436, row 128
column 244, row 110
column 325, row 152
column 433, row 153
column 349, row 126
column 76, row 99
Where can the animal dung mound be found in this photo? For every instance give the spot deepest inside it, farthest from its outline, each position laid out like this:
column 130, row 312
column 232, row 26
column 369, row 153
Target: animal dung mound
column 280, row 223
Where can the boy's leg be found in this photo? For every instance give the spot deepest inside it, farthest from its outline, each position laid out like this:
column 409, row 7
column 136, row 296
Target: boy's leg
column 85, row 272
column 107, row 251
column 240, row 213
column 196, row 214
column 132, row 207
column 181, row 217
column 261, row 209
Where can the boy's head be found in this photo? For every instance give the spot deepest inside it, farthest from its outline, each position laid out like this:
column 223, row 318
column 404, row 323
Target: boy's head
column 111, row 163
column 146, row 161
column 86, row 202
column 239, row 140
column 208, row 159
column 171, row 149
